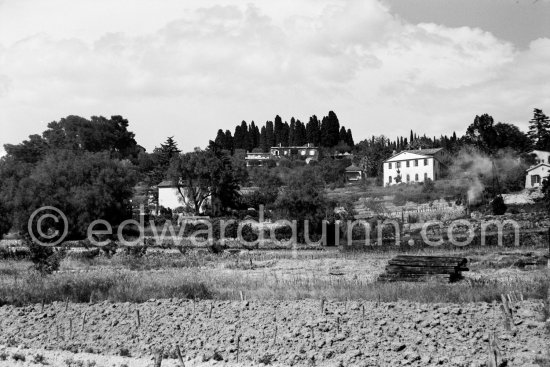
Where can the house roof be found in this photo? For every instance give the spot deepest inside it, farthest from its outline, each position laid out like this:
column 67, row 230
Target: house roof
column 353, row 168
column 537, row 166
column 425, row 152
column 166, row 183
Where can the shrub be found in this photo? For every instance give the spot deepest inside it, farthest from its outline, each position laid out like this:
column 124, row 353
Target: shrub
column 45, row 259
column 18, row 357
column 399, row 199
column 428, row 186
column 39, row 359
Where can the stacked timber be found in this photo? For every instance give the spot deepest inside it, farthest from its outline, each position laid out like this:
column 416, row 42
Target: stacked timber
column 424, row 268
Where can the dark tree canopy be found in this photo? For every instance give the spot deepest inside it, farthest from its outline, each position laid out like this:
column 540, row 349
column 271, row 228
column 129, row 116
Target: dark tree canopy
column 82, row 167
column 75, row 133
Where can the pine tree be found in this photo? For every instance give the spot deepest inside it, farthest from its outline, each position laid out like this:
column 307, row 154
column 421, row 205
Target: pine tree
column 163, row 156
column 539, row 130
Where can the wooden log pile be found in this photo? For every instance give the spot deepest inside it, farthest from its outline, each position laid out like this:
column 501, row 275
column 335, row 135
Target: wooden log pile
column 424, row 268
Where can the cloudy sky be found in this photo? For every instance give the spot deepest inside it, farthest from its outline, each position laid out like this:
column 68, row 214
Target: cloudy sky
column 188, row 68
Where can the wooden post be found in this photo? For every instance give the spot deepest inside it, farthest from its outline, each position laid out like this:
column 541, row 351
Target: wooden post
column 158, row 358
column 242, row 295
column 210, row 311
column 322, row 310
column 70, row 328
column 138, row 318
column 180, row 358
column 312, row 333
column 238, row 346
column 507, row 313
column 338, row 325
column 83, row 320
column 275, row 335
column 42, row 306
column 66, row 304
column 494, row 352
column 363, row 307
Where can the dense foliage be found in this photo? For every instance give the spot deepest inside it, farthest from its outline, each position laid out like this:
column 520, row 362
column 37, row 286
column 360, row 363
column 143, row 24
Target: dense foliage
column 205, row 175
column 82, row 167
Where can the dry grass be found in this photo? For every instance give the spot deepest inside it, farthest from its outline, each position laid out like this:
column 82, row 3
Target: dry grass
column 272, row 275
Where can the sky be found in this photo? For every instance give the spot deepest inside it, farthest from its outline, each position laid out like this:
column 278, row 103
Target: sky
column 188, row 68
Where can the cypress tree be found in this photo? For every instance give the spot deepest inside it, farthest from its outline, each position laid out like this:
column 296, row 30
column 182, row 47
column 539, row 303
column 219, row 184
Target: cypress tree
column 238, row 139
column 350, row 141
column 278, row 130
column 269, row 134
column 300, row 134
column 292, row 132
column 228, row 145
column 263, row 140
column 313, row 131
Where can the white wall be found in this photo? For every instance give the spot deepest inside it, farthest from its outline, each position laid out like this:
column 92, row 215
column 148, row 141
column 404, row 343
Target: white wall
column 432, row 169
column 542, row 171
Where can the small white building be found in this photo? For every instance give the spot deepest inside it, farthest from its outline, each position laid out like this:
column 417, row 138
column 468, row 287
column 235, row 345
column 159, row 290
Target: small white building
column 537, row 174
column 541, row 170
column 414, row 166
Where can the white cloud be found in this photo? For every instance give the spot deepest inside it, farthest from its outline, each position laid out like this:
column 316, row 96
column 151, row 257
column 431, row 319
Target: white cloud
column 213, row 65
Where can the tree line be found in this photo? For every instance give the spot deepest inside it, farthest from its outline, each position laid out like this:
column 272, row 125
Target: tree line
column 326, row 133
column 89, row 168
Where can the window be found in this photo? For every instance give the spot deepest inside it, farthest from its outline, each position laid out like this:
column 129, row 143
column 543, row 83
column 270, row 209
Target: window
column 426, row 161
column 425, row 176
column 416, row 177
column 408, row 178
column 389, row 178
column 535, row 180
column 389, row 166
column 398, row 164
column 311, row 152
column 407, row 163
column 303, row 152
column 416, row 162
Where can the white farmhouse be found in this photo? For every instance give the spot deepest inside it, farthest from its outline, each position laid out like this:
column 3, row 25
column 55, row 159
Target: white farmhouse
column 414, row 166
column 537, row 173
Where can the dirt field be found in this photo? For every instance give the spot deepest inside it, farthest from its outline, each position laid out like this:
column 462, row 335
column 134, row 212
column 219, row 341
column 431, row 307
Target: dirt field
column 287, row 332
column 280, row 321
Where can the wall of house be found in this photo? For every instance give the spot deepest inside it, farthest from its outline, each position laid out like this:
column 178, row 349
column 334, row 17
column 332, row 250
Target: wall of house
column 542, row 172
column 432, row 170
